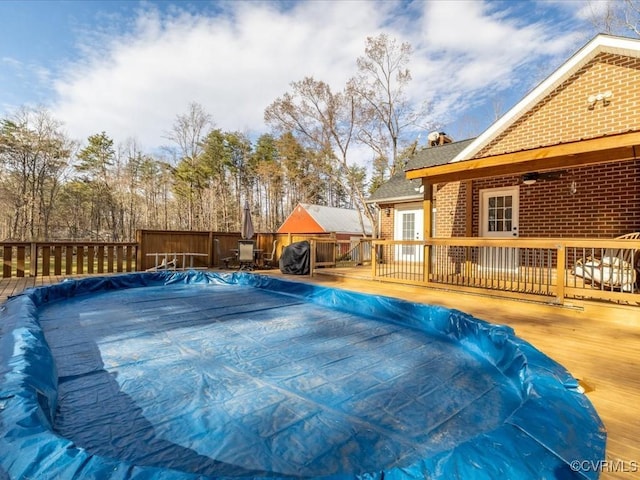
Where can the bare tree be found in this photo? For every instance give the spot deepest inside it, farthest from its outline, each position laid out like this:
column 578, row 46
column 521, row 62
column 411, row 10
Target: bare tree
column 326, row 121
column 34, row 154
column 380, row 85
column 188, row 133
column 632, row 16
column 618, row 17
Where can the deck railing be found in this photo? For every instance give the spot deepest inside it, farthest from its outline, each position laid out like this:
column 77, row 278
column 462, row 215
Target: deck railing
column 22, row 259
column 353, row 252
column 329, row 252
column 531, row 268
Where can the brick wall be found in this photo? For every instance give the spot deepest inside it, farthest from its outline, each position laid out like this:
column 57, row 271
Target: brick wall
column 606, row 203
column 564, row 115
column 451, row 209
column 386, row 222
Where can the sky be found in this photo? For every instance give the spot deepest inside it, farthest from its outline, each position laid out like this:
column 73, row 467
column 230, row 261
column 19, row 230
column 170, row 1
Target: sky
column 129, row 68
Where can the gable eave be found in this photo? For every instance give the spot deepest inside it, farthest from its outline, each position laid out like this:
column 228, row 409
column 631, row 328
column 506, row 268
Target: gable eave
column 599, row 44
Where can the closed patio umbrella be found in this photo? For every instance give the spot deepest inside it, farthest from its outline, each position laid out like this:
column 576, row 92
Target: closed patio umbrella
column 247, row 224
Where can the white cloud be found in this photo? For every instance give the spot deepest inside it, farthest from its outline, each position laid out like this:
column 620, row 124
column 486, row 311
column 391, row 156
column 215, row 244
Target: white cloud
column 592, row 10
column 237, row 62
column 11, row 62
column 233, row 65
column 472, row 52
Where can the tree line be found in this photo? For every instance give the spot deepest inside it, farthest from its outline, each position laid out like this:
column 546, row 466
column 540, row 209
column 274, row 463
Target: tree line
column 51, row 188
column 55, row 188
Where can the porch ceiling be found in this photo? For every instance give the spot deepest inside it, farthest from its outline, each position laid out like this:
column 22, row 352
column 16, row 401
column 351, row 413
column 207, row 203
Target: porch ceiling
column 594, row 151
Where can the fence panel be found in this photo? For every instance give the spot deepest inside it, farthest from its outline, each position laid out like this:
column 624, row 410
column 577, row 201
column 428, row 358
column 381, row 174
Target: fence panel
column 68, row 258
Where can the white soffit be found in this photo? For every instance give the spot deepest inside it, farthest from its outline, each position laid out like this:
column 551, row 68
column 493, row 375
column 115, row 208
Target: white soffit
column 599, row 44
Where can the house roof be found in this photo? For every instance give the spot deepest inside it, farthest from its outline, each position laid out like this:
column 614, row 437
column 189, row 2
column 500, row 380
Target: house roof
column 469, row 162
column 599, row 44
column 333, row 219
column 398, row 188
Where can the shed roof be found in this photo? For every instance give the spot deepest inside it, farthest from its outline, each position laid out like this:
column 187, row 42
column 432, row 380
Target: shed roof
column 333, row 219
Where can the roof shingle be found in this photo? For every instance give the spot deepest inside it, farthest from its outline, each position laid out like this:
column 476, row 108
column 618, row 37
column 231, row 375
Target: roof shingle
column 398, row 188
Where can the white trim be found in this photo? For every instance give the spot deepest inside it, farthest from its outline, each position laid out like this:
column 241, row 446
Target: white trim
column 600, row 43
column 409, row 206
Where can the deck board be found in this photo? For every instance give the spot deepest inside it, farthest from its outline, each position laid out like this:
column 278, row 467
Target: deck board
column 597, row 342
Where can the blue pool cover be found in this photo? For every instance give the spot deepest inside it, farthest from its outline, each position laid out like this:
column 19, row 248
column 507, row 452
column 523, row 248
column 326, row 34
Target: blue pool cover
column 203, row 375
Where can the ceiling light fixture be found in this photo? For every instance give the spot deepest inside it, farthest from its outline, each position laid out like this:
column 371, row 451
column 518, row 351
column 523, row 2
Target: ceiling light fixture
column 530, row 178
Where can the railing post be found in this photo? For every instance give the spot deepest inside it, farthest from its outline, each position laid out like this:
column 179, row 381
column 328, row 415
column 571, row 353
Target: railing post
column 110, row 257
column 119, row 258
column 46, row 260
column 560, row 272
column 312, row 256
column 33, row 260
column 100, row 258
column 210, row 250
column 20, row 251
column 336, row 246
column 468, row 263
column 130, row 251
column 7, row 253
column 90, row 258
column 68, row 267
column 79, row 259
column 426, row 251
column 140, row 251
column 374, row 258
column 427, row 210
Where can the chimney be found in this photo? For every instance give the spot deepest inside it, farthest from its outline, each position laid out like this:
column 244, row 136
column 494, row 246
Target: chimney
column 438, row 138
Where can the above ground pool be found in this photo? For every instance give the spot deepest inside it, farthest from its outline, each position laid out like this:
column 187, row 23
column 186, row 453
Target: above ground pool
column 204, row 375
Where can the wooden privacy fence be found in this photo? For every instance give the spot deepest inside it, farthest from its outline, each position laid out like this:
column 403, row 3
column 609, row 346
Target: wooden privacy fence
column 207, row 249
column 20, row 259
column 186, row 249
column 526, row 268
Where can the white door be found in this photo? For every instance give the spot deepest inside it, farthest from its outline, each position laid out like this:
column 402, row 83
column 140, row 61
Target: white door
column 499, row 209
column 409, row 226
column 499, row 212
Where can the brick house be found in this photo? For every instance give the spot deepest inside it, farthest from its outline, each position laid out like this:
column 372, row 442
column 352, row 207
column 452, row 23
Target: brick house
column 563, row 162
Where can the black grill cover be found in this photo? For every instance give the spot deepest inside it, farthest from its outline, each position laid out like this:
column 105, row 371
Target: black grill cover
column 295, row 259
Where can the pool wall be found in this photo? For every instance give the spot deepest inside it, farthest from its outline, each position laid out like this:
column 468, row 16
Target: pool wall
column 554, row 426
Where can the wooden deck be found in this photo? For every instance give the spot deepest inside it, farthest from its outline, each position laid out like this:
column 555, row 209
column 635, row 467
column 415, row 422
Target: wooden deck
column 598, row 343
